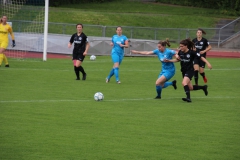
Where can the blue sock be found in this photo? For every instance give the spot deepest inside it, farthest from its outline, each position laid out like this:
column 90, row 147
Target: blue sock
column 110, row 74
column 159, row 90
column 166, row 84
column 116, row 73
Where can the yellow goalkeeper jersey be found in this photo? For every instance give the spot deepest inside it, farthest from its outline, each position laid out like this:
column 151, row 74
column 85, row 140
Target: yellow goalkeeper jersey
column 4, row 30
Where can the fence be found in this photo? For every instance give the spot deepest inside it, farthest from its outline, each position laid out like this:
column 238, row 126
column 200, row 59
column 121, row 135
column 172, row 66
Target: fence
column 142, row 38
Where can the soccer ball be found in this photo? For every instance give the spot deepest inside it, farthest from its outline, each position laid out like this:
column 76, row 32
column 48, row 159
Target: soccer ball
column 92, row 58
column 98, row 96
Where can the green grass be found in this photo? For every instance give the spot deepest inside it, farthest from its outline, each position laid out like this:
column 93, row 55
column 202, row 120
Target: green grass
column 139, row 14
column 152, row 17
column 132, row 15
column 47, row 114
column 127, row 13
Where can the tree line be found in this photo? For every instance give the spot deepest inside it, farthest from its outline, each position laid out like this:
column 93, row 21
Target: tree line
column 228, row 7
column 224, row 5
column 56, row 3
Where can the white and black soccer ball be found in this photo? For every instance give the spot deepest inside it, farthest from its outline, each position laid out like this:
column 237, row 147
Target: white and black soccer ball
column 92, row 58
column 98, row 96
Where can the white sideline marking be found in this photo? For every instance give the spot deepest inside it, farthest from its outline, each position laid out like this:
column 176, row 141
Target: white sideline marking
column 113, row 100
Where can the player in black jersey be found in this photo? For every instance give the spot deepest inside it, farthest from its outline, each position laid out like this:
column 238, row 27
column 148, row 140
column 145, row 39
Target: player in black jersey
column 186, row 56
column 201, row 46
column 80, row 50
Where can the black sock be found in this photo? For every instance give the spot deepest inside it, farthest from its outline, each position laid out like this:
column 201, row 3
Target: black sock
column 196, row 77
column 196, row 87
column 202, row 74
column 76, row 71
column 187, row 91
column 82, row 70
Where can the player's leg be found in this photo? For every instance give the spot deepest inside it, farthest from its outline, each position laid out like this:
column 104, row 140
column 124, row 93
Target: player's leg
column 116, row 60
column 111, row 73
column 201, row 71
column 119, row 63
column 3, row 46
column 187, row 85
column 81, row 69
column 160, row 84
column 196, row 70
column 169, row 75
column 204, row 88
column 76, row 69
column 116, row 72
column 5, row 60
column 1, row 52
column 1, row 58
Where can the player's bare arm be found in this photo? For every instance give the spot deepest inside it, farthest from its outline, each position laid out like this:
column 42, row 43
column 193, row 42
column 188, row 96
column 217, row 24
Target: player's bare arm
column 125, row 45
column 69, row 45
column 141, row 52
column 86, row 50
column 206, row 61
column 206, row 50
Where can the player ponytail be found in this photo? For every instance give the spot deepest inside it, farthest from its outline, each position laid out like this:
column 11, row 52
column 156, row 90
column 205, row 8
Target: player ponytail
column 165, row 43
column 187, row 42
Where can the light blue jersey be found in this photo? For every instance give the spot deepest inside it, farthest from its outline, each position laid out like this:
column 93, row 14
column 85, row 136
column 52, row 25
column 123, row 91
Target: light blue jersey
column 116, row 40
column 167, row 54
column 168, row 68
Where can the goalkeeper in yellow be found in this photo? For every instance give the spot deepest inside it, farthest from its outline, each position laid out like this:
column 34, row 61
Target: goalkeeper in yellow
column 5, row 29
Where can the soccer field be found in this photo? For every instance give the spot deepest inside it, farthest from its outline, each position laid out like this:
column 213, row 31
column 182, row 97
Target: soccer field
column 46, row 114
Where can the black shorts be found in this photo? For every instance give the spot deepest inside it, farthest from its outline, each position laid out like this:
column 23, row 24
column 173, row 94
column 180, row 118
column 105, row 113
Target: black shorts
column 188, row 74
column 79, row 57
column 199, row 62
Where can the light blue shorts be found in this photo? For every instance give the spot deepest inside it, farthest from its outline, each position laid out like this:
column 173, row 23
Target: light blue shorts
column 116, row 58
column 167, row 74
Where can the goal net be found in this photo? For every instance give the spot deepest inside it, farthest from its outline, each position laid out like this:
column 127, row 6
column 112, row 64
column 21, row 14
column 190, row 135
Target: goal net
column 27, row 20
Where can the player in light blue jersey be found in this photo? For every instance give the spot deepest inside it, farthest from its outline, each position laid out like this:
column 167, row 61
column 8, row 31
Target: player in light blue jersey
column 119, row 42
column 168, row 68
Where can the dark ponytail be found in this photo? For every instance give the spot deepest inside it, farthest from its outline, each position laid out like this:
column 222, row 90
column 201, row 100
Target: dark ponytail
column 164, row 43
column 187, row 42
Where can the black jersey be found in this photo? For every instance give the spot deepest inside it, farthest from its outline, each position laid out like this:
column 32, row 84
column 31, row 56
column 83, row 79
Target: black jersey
column 187, row 59
column 79, row 43
column 201, row 45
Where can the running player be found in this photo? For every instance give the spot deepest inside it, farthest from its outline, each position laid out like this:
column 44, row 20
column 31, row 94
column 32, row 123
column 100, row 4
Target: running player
column 168, row 68
column 119, row 42
column 5, row 29
column 186, row 57
column 80, row 50
column 202, row 46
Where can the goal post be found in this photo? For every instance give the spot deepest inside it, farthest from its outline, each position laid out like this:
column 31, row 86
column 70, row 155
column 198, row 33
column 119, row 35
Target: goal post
column 45, row 31
column 29, row 20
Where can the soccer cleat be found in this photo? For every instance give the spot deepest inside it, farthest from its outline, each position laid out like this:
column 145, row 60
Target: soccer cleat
column 187, row 99
column 174, row 83
column 107, row 80
column 205, row 79
column 205, row 90
column 7, row 65
column 77, row 78
column 84, row 76
column 118, row 82
column 157, row 97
